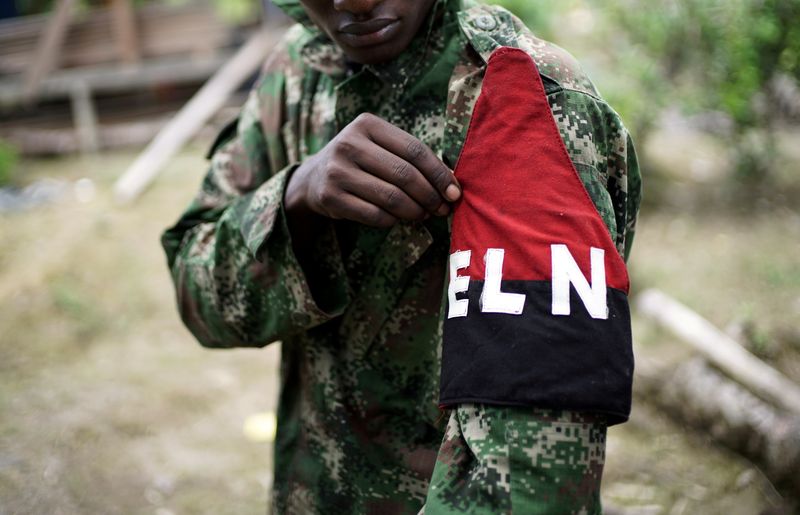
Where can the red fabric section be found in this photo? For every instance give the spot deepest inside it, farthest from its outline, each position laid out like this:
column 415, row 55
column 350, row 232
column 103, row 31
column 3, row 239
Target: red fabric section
column 521, row 191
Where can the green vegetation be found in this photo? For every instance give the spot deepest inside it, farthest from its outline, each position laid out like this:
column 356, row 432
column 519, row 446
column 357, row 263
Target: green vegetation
column 718, row 55
column 721, row 59
column 540, row 16
column 8, row 163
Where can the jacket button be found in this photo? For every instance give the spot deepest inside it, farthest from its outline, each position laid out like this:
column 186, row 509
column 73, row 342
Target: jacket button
column 485, row 22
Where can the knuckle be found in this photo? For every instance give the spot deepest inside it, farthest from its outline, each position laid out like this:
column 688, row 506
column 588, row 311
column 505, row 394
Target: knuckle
column 346, row 147
column 433, row 200
column 415, row 149
column 401, row 172
column 441, row 178
column 363, row 119
column 380, row 219
column 417, row 213
column 376, row 218
column 334, row 173
column 326, row 198
column 391, row 197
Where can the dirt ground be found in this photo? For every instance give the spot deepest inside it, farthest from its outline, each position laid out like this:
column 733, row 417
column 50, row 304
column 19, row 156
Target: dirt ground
column 108, row 406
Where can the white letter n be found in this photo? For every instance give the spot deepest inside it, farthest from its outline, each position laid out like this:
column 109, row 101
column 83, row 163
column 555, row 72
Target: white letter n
column 566, row 272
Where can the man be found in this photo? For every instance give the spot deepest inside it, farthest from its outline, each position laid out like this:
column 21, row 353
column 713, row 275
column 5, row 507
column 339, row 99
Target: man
column 323, row 223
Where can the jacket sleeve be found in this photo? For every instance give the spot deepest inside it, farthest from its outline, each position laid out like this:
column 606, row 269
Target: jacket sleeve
column 516, row 353
column 603, row 153
column 237, row 279
column 633, row 195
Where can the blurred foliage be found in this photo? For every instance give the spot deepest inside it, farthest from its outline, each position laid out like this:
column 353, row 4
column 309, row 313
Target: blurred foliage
column 540, row 16
column 714, row 58
column 715, row 55
column 238, row 11
column 8, row 163
column 721, row 52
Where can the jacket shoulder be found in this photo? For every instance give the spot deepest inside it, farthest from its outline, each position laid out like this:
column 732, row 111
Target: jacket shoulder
column 287, row 52
column 489, row 27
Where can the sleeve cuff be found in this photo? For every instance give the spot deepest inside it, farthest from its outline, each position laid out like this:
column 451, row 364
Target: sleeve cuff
column 265, row 229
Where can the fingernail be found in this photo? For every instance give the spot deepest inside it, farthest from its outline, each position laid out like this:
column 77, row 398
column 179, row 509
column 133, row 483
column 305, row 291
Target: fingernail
column 443, row 210
column 452, row 193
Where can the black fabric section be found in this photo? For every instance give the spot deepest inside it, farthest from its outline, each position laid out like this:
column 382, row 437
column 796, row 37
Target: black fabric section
column 571, row 362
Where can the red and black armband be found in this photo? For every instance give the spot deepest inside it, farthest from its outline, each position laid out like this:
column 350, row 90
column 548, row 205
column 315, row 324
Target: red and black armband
column 537, row 310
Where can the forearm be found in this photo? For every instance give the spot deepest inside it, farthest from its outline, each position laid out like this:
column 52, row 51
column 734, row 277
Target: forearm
column 238, row 280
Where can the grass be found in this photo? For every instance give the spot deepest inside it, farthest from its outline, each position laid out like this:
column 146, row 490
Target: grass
column 742, row 273
column 107, row 405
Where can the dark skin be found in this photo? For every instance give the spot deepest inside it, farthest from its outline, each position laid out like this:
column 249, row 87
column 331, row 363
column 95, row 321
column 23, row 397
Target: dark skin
column 372, row 172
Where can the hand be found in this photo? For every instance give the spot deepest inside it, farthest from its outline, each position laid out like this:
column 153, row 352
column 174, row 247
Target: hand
column 372, row 173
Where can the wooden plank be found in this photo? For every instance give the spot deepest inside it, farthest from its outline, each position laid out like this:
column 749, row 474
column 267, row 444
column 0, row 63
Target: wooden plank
column 720, row 349
column 112, row 79
column 193, row 116
column 127, row 37
column 126, row 129
column 162, row 30
column 85, row 118
column 48, row 48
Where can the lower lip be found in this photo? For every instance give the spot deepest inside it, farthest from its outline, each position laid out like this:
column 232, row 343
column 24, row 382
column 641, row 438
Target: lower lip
column 378, row 37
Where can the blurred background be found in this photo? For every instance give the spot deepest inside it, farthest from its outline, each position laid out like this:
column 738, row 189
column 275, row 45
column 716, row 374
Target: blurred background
column 107, row 405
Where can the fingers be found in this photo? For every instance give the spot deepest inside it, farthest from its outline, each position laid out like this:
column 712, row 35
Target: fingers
column 414, row 152
column 401, row 174
column 350, row 207
column 386, row 196
column 375, row 173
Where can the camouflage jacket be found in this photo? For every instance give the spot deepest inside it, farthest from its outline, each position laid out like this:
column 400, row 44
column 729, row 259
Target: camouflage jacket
column 359, row 426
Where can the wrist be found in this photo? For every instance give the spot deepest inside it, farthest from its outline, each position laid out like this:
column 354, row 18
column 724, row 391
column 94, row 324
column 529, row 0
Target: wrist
column 295, row 197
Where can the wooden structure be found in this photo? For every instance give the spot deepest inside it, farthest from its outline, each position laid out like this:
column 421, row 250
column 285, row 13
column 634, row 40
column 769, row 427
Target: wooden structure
column 193, row 116
column 76, row 56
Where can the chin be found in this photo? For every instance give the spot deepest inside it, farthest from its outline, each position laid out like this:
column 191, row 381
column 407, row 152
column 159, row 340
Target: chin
column 374, row 56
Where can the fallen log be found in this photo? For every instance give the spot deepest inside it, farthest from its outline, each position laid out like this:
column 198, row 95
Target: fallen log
column 720, row 349
column 700, row 396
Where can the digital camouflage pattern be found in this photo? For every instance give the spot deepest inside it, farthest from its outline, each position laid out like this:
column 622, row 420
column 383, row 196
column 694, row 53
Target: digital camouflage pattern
column 499, row 460
column 358, row 424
